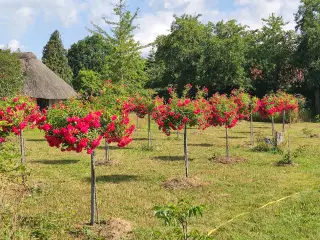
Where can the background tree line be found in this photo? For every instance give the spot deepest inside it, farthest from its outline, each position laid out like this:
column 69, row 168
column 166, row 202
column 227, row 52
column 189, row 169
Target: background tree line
column 220, row 56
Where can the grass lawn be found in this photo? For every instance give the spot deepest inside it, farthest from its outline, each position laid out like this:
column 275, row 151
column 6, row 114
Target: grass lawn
column 60, row 201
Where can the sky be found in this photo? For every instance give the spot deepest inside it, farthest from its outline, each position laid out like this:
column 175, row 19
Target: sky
column 28, row 24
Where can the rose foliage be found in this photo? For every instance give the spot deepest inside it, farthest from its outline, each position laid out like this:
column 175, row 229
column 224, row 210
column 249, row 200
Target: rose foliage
column 18, row 113
column 75, row 126
column 177, row 112
column 142, row 103
column 276, row 103
column 221, row 111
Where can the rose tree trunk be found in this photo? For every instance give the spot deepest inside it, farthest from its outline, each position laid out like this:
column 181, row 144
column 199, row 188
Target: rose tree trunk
column 93, row 188
column 107, row 151
column 149, row 130
column 251, row 129
column 186, row 159
column 227, row 143
column 23, row 159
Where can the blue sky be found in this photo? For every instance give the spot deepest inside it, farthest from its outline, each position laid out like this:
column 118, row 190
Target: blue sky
column 27, row 24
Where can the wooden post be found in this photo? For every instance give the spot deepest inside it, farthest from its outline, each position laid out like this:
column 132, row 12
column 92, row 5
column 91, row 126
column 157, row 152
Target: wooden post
column 284, row 120
column 107, row 151
column 22, row 147
column 185, row 144
column 227, row 143
column 272, row 121
column 251, row 129
column 137, row 123
column 149, row 130
column 93, row 188
column 289, row 150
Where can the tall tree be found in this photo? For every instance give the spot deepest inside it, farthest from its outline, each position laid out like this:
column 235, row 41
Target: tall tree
column 270, row 57
column 88, row 54
column 308, row 53
column 223, row 57
column 124, row 63
column 55, row 57
column 10, row 73
column 177, row 55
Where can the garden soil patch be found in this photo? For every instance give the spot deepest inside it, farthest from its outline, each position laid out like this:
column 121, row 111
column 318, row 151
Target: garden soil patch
column 115, row 229
column 228, row 160
column 184, row 183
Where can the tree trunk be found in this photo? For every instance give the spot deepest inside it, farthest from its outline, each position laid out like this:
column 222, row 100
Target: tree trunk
column 93, row 187
column 185, row 231
column 317, row 100
column 283, row 120
column 106, row 147
column 185, row 144
column 251, row 129
column 227, row 143
column 177, row 133
column 22, row 147
column 272, row 121
column 289, row 150
column 137, row 125
column 149, row 130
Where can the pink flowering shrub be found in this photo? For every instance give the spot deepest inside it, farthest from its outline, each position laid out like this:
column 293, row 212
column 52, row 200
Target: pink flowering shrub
column 17, row 114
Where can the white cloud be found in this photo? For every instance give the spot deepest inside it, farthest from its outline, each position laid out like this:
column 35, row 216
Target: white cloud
column 18, row 15
column 13, row 44
column 250, row 12
column 101, row 8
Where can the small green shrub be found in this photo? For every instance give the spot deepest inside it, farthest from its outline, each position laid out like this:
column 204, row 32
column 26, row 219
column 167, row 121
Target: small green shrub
column 288, row 157
column 263, row 146
column 178, row 216
column 307, row 131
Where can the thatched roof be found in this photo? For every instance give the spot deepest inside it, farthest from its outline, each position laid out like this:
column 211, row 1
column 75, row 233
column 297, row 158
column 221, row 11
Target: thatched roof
column 41, row 82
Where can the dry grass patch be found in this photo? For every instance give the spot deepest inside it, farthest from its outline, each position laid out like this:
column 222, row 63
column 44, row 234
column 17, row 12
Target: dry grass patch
column 228, row 160
column 184, row 183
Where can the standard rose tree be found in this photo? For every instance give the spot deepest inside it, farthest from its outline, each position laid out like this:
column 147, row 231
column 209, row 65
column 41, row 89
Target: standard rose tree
column 270, row 105
column 247, row 106
column 112, row 101
column 290, row 104
column 18, row 113
column 222, row 111
column 178, row 114
column 143, row 104
column 74, row 126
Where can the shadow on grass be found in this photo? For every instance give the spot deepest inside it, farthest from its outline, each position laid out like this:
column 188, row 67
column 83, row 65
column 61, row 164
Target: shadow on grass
column 234, row 137
column 140, row 139
column 169, row 158
column 36, row 140
column 200, row 144
column 115, row 178
column 56, row 162
column 114, row 147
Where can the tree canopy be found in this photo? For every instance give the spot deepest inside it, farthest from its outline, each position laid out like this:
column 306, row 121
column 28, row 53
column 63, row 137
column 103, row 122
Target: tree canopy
column 124, row 63
column 11, row 79
column 55, row 57
column 89, row 54
column 308, row 53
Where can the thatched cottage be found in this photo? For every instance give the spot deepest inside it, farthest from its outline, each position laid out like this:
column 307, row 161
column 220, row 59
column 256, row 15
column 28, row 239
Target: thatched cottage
column 42, row 83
